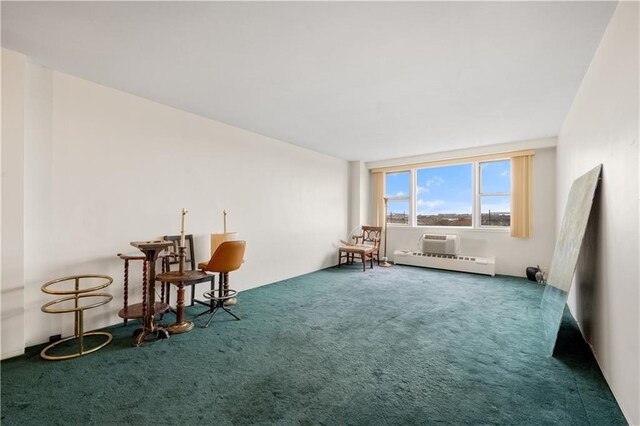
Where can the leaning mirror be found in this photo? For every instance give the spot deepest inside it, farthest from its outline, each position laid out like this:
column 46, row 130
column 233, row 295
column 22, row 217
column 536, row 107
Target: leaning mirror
column 565, row 254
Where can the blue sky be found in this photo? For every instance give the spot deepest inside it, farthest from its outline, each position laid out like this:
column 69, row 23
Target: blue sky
column 495, row 177
column 448, row 189
column 444, row 190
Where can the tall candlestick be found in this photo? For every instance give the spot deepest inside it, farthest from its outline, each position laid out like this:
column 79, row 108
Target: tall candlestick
column 184, row 213
column 224, row 212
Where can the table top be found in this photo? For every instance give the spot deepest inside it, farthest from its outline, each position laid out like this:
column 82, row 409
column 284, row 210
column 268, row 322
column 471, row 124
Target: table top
column 148, row 245
column 132, row 256
column 141, row 256
column 99, row 282
column 177, row 277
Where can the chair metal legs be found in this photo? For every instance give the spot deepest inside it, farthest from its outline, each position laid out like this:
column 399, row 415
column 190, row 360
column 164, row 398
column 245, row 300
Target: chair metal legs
column 217, row 302
column 219, row 305
column 211, row 317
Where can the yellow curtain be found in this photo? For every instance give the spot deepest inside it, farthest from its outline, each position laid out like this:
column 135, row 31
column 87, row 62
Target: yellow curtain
column 378, row 198
column 521, row 191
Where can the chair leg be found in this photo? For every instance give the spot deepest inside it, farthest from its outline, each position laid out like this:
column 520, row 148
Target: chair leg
column 230, row 313
column 212, row 286
column 211, row 317
column 364, row 262
column 212, row 308
column 219, row 305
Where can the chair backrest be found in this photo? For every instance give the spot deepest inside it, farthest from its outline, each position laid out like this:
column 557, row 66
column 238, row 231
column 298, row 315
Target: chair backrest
column 228, row 257
column 190, row 254
column 371, row 235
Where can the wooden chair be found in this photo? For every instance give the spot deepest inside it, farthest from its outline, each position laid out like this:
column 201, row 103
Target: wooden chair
column 227, row 258
column 190, row 264
column 371, row 236
column 366, row 246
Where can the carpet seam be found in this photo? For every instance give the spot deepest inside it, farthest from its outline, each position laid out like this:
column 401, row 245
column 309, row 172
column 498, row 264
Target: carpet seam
column 584, row 407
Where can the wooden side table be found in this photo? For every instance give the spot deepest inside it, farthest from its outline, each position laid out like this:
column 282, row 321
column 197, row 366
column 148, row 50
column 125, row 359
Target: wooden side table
column 180, row 279
column 151, row 249
column 81, row 298
column 136, row 310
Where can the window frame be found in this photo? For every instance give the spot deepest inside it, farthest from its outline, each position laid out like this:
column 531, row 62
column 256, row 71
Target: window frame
column 409, row 197
column 415, row 186
column 480, row 194
column 476, row 214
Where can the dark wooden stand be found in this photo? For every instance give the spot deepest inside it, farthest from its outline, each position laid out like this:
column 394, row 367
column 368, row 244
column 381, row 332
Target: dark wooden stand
column 136, row 310
column 180, row 279
column 151, row 249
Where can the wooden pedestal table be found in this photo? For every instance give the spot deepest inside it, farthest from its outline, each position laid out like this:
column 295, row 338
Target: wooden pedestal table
column 180, row 279
column 151, row 249
column 81, row 299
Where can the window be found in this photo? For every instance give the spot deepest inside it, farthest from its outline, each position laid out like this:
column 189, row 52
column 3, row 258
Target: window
column 475, row 194
column 495, row 193
column 444, row 196
column 398, row 192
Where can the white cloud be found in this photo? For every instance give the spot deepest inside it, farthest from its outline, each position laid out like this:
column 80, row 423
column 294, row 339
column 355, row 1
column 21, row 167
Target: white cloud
column 400, row 194
column 434, row 181
column 505, row 173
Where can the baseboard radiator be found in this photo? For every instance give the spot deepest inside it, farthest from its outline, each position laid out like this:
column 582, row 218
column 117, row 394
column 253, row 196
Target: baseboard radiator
column 451, row 262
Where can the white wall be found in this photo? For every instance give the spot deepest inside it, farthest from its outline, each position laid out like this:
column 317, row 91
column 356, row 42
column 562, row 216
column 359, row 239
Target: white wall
column 103, row 168
column 365, row 195
column 13, row 134
column 602, row 127
column 354, row 194
column 359, row 196
column 512, row 255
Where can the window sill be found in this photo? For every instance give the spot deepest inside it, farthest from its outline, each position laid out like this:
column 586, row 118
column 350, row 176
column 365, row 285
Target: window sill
column 448, row 229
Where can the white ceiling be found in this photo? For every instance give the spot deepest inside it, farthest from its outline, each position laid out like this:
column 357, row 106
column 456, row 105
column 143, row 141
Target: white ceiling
column 360, row 81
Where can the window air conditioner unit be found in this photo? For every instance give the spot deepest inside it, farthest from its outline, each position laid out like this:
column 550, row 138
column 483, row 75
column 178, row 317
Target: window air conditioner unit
column 440, row 244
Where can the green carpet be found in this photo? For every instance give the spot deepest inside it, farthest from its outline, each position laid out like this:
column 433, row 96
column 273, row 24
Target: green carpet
column 391, row 346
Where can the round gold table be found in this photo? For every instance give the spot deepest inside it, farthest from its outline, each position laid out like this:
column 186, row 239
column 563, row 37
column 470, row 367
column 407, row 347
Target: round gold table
column 80, row 300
